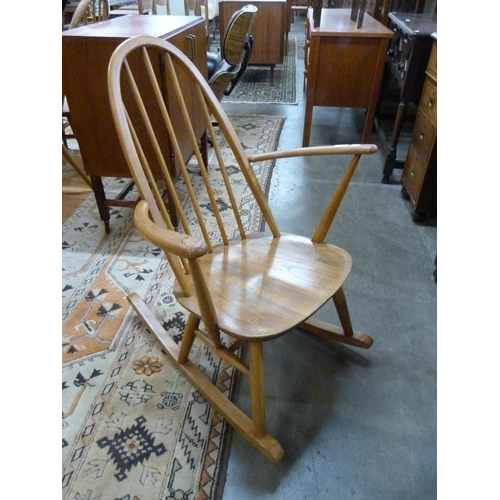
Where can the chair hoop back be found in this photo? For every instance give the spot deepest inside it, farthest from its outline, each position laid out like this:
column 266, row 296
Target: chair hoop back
column 145, row 123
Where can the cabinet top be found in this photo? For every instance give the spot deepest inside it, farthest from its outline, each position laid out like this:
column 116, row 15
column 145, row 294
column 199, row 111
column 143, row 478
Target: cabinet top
column 337, row 22
column 415, row 24
column 133, row 25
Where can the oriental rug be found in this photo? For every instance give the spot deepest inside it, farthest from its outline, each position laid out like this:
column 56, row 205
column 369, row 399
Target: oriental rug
column 255, row 84
column 133, row 428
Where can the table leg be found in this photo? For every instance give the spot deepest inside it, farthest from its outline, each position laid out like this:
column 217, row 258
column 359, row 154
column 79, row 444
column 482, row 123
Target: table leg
column 307, row 125
column 370, row 118
column 390, row 161
column 100, row 198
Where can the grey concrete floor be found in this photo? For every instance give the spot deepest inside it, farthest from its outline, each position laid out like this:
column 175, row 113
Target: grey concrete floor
column 353, row 423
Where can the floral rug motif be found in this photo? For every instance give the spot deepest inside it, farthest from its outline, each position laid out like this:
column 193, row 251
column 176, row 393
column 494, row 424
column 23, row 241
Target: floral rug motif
column 255, row 84
column 133, row 428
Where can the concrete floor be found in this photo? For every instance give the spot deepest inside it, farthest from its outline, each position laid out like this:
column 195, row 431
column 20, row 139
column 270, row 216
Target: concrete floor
column 353, row 423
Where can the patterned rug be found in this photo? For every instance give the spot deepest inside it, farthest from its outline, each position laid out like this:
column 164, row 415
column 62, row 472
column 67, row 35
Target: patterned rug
column 255, row 84
column 133, row 428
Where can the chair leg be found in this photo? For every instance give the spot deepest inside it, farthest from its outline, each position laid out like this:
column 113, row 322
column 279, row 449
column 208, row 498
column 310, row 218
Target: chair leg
column 188, row 338
column 257, row 389
column 344, row 334
column 341, row 305
column 252, row 430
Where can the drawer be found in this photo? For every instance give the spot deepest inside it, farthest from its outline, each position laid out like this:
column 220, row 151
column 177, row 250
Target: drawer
column 428, row 102
column 413, row 173
column 432, row 65
column 423, row 136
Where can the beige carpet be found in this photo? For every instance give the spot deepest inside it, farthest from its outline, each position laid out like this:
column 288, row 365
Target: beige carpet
column 133, row 427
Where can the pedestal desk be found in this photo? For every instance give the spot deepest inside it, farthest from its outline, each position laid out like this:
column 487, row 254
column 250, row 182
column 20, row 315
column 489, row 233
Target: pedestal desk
column 343, row 65
column 86, row 52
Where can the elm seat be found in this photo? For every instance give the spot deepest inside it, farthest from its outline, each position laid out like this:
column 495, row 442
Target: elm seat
column 240, row 288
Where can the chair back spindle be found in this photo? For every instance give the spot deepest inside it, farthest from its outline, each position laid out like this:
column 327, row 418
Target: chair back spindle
column 189, row 184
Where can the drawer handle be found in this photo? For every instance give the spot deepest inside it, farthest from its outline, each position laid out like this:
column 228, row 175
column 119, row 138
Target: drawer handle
column 412, row 173
column 431, row 103
column 421, row 136
column 192, row 43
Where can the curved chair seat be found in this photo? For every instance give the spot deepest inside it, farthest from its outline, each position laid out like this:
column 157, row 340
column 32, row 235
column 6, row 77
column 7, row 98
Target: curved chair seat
column 265, row 286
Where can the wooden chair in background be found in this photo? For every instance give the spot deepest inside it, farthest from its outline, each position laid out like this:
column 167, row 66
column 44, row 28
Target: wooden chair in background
column 238, row 288
column 90, row 11
column 141, row 7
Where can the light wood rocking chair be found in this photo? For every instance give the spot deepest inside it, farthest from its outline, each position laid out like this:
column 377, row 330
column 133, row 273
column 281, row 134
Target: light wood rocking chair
column 239, row 289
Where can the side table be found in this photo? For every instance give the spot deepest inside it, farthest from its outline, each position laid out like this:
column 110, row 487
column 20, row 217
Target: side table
column 343, row 65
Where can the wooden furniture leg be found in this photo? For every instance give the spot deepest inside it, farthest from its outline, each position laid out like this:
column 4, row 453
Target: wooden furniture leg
column 390, row 161
column 307, row 124
column 257, row 391
column 265, row 443
column 100, row 198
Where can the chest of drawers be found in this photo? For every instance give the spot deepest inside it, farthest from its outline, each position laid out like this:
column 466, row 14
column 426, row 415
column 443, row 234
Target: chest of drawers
column 404, row 77
column 419, row 177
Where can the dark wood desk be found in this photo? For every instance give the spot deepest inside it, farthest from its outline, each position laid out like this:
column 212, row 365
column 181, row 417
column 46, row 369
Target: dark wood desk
column 85, row 57
column 343, row 65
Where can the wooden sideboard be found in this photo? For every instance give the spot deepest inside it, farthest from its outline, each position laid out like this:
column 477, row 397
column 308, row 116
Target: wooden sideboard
column 343, row 65
column 86, row 52
column 419, row 177
column 268, row 30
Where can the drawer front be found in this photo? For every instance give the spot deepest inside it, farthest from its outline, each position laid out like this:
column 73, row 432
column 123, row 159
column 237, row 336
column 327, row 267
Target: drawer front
column 413, row 173
column 432, row 68
column 423, row 136
column 428, row 103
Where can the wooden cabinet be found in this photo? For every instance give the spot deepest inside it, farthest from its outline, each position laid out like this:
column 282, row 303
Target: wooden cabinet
column 420, row 170
column 268, row 29
column 86, row 52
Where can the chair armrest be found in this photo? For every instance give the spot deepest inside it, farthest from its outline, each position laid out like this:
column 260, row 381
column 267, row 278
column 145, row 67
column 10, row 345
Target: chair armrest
column 169, row 241
column 353, row 149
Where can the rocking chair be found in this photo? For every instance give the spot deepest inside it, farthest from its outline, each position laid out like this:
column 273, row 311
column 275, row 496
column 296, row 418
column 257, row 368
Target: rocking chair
column 238, row 288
